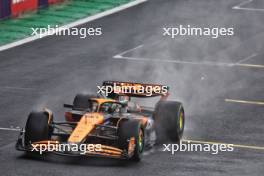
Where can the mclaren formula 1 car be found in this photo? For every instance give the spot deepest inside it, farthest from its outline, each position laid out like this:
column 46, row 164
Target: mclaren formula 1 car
column 109, row 124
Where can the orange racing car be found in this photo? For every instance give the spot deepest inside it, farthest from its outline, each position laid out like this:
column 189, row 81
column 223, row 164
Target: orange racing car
column 109, row 124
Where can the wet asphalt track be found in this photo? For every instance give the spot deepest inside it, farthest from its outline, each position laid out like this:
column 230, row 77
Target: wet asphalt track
column 50, row 71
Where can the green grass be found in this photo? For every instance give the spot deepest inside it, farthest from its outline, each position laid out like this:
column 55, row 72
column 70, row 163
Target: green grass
column 60, row 14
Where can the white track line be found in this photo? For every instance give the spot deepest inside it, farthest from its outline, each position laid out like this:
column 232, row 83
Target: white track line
column 239, row 63
column 245, row 102
column 234, row 145
column 250, row 65
column 76, row 23
column 127, row 51
column 10, row 129
column 16, row 88
column 173, row 61
column 207, row 63
column 239, row 7
column 250, row 9
column 247, row 58
column 241, row 4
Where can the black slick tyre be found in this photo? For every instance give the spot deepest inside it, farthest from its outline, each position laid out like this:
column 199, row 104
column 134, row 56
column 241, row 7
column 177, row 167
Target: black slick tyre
column 37, row 128
column 127, row 130
column 170, row 120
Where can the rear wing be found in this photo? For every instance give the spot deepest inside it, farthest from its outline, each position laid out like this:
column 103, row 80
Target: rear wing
column 114, row 89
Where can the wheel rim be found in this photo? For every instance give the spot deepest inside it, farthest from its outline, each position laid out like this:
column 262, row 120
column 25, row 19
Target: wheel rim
column 181, row 121
column 140, row 140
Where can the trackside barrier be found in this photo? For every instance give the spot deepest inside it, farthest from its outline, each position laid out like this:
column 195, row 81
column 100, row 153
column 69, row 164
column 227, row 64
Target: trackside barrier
column 54, row 1
column 20, row 6
column 12, row 8
column 43, row 3
column 5, row 9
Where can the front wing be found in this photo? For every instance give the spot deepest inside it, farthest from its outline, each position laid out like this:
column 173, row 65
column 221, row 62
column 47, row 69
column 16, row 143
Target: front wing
column 105, row 151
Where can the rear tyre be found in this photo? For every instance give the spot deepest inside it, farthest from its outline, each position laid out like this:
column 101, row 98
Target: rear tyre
column 169, row 119
column 127, row 130
column 37, row 128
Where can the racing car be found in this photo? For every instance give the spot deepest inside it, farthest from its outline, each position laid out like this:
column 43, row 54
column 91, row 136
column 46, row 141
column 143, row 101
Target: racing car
column 114, row 123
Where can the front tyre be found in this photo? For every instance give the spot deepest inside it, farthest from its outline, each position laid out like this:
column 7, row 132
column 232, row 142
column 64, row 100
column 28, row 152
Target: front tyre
column 37, row 128
column 131, row 130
